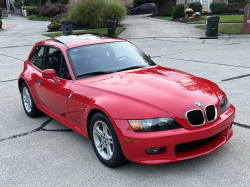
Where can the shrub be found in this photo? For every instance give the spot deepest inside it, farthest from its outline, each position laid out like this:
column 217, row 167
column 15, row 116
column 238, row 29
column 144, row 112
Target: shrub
column 31, row 10
column 0, row 12
column 235, row 7
column 178, row 11
column 18, row 3
column 115, row 10
column 54, row 26
column 168, row 10
column 96, row 12
column 32, row 17
column 197, row 7
column 1, row 23
column 60, row 17
column 53, row 9
column 217, row 7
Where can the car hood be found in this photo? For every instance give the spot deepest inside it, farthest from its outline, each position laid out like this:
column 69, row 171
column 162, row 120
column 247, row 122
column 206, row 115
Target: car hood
column 154, row 92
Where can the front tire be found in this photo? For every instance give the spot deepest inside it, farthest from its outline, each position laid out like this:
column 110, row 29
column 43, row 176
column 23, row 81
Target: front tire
column 105, row 141
column 28, row 102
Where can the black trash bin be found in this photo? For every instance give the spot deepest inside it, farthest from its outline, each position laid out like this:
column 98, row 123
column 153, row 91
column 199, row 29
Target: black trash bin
column 111, row 24
column 212, row 26
column 67, row 27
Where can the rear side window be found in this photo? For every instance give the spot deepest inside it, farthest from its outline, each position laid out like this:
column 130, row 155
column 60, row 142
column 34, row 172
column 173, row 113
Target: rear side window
column 37, row 56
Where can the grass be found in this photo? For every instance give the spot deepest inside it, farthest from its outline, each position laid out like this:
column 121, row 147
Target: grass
column 223, row 19
column 163, row 17
column 100, row 31
column 229, row 29
column 39, row 18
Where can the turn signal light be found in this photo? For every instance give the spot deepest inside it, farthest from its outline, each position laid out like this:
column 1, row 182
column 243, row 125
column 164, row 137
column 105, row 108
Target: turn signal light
column 135, row 124
column 130, row 140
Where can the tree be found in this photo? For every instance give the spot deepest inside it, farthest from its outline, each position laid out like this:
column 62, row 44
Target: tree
column 186, row 7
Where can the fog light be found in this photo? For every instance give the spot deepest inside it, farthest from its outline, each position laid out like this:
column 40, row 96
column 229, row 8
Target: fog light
column 155, row 150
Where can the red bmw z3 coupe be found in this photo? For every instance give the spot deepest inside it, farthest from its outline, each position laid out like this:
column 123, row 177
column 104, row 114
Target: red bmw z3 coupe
column 111, row 92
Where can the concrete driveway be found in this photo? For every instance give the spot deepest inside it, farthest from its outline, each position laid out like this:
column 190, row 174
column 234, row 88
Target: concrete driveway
column 43, row 152
column 143, row 26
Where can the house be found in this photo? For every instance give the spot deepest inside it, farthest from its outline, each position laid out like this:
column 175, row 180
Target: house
column 205, row 4
column 4, row 4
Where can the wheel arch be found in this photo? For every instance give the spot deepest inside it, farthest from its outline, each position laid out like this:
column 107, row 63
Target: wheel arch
column 90, row 115
column 20, row 82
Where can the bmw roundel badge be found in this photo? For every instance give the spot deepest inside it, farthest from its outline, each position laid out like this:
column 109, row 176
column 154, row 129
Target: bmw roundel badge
column 198, row 104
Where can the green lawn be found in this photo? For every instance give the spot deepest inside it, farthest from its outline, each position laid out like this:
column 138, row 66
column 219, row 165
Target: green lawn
column 163, row 17
column 39, row 18
column 227, row 28
column 100, row 31
column 224, row 19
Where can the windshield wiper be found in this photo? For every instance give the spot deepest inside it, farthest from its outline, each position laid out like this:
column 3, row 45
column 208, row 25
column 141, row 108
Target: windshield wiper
column 132, row 67
column 95, row 73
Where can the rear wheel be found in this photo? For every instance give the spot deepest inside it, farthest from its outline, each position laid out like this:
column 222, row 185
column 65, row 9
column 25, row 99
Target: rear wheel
column 105, row 141
column 28, row 102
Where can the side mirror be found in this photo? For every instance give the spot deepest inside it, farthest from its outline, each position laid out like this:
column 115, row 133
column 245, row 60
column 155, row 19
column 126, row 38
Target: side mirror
column 50, row 74
column 149, row 56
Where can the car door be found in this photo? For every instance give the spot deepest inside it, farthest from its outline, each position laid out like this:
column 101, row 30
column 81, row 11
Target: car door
column 37, row 60
column 52, row 95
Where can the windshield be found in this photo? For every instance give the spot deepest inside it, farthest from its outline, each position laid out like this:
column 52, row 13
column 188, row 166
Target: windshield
column 97, row 59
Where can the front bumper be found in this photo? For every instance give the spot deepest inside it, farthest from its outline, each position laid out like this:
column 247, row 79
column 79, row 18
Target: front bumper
column 136, row 150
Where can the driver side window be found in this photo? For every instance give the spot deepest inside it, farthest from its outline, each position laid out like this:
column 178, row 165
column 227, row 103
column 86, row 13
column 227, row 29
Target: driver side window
column 55, row 60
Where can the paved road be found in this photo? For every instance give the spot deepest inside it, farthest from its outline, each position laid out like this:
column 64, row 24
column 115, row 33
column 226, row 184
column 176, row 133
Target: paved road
column 43, row 152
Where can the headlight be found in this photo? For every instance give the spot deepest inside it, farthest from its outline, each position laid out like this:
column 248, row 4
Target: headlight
column 156, row 124
column 224, row 105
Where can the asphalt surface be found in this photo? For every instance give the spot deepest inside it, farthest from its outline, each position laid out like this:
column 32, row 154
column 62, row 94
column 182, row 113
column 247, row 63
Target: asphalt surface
column 44, row 152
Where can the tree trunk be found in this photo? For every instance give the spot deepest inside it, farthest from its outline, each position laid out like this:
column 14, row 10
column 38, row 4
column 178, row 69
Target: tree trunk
column 185, row 7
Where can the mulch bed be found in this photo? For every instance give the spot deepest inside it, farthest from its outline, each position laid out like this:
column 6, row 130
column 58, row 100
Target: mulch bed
column 185, row 20
column 182, row 19
column 84, row 27
column 87, row 27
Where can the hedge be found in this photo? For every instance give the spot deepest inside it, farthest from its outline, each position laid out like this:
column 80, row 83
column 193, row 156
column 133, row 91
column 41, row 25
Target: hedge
column 178, row 11
column 31, row 10
column 217, row 7
column 1, row 23
column 168, row 10
column 0, row 12
column 196, row 6
column 235, row 7
column 54, row 26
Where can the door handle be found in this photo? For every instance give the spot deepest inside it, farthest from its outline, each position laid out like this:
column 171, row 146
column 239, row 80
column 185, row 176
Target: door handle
column 39, row 81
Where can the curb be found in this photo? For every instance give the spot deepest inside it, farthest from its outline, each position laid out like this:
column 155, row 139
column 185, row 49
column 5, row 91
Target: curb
column 196, row 37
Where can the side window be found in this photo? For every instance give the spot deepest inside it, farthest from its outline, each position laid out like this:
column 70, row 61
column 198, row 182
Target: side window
column 37, row 56
column 55, row 60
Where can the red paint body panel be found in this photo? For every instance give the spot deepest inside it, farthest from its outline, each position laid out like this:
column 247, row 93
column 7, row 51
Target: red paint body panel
column 150, row 92
column 171, row 138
